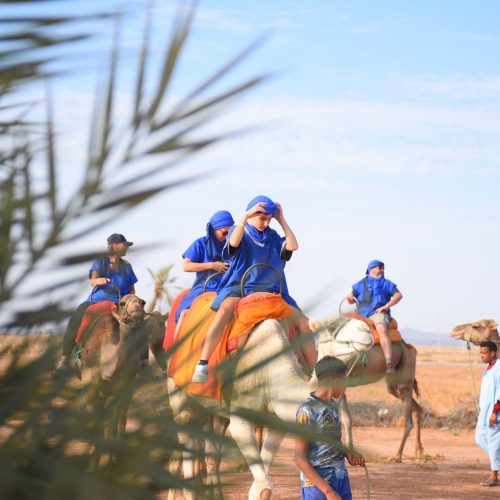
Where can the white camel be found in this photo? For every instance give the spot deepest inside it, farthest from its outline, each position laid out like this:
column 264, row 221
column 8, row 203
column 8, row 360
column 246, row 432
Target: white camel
column 278, row 386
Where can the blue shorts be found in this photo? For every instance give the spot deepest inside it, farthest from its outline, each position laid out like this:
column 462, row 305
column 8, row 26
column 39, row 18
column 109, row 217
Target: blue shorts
column 341, row 486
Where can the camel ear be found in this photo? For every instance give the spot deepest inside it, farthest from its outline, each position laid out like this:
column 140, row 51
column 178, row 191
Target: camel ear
column 314, row 325
column 115, row 314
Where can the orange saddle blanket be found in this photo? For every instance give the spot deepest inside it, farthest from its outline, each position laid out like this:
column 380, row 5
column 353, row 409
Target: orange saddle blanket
column 93, row 312
column 189, row 340
column 394, row 333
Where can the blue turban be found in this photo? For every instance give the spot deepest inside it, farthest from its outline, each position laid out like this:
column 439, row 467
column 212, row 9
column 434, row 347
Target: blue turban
column 222, row 218
column 219, row 219
column 372, row 264
column 269, row 208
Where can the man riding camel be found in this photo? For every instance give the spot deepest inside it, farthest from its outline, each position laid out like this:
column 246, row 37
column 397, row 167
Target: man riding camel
column 376, row 295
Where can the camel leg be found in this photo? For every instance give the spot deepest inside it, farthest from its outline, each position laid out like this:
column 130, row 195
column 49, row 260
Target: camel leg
column 270, row 447
column 188, row 447
column 174, row 468
column 243, row 432
column 417, row 411
column 213, row 454
column 346, row 419
column 408, row 425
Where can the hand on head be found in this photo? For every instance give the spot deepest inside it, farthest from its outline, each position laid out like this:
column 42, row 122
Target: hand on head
column 259, row 207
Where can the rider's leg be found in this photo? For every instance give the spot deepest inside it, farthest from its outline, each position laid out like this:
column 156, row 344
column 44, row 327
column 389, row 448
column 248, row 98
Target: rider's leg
column 381, row 322
column 308, row 347
column 179, row 322
column 71, row 332
column 215, row 330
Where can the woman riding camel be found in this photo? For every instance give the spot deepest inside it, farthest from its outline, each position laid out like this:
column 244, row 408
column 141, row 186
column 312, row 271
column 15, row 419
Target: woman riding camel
column 109, row 274
column 204, row 257
column 251, row 241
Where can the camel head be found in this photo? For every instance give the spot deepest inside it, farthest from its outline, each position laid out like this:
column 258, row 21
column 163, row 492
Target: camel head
column 130, row 310
column 342, row 337
column 477, row 332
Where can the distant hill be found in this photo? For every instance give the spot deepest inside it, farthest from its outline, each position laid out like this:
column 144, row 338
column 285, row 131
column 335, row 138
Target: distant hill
column 419, row 337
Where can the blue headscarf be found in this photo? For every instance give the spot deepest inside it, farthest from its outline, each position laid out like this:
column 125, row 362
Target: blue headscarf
column 219, row 219
column 372, row 264
column 269, row 208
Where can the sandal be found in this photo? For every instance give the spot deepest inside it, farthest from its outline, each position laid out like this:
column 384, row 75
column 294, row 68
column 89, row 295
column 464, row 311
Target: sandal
column 490, row 482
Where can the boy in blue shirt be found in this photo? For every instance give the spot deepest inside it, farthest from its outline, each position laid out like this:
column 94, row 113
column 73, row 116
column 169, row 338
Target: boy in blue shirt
column 322, row 462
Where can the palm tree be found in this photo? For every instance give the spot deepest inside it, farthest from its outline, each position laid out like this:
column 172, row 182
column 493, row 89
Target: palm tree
column 43, row 449
column 163, row 283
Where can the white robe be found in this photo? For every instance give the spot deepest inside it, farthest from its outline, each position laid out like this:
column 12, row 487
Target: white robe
column 489, row 437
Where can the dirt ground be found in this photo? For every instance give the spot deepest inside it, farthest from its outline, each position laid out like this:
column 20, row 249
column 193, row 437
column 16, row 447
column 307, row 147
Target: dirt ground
column 453, row 465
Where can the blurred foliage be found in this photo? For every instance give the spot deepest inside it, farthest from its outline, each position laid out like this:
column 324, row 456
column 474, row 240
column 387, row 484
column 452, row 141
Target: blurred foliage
column 44, row 429
column 34, row 218
column 45, row 434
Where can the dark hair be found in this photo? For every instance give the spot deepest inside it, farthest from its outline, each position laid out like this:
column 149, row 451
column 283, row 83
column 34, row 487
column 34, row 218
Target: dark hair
column 330, row 367
column 489, row 344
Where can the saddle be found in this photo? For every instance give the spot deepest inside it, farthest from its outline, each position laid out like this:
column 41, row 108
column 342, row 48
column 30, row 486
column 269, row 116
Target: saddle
column 248, row 312
column 394, row 333
column 92, row 314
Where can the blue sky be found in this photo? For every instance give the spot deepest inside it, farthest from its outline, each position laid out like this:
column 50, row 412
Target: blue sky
column 379, row 134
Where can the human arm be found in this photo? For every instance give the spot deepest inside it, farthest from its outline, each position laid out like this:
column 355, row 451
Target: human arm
column 301, row 447
column 392, row 302
column 96, row 280
column 239, row 229
column 291, row 243
column 189, row 266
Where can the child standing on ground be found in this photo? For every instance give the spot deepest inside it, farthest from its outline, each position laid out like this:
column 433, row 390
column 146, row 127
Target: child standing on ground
column 322, row 462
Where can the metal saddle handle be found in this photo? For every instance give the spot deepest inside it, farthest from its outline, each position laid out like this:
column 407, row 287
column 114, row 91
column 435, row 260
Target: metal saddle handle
column 345, row 300
column 260, row 264
column 207, row 281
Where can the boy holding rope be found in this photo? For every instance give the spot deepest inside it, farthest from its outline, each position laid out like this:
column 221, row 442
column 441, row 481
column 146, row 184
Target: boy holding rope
column 322, row 462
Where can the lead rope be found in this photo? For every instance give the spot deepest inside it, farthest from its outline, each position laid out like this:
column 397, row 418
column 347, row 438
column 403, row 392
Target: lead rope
column 367, row 476
column 476, row 399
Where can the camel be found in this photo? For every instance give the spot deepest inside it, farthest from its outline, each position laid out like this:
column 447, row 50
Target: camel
column 110, row 360
column 484, row 329
column 279, row 386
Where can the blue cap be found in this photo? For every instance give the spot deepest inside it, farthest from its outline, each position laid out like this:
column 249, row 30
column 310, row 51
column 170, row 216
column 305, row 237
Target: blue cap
column 372, row 264
column 269, row 208
column 118, row 238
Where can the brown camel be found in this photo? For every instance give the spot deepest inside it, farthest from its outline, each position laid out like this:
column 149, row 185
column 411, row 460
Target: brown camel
column 110, row 361
column 477, row 332
column 400, row 384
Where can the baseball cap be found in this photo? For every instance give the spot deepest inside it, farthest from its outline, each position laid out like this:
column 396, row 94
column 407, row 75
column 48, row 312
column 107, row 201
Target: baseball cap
column 118, row 238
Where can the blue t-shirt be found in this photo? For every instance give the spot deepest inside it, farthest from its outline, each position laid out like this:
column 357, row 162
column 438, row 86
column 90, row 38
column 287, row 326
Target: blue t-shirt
column 199, row 252
column 124, row 278
column 327, row 456
column 261, row 278
column 373, row 293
